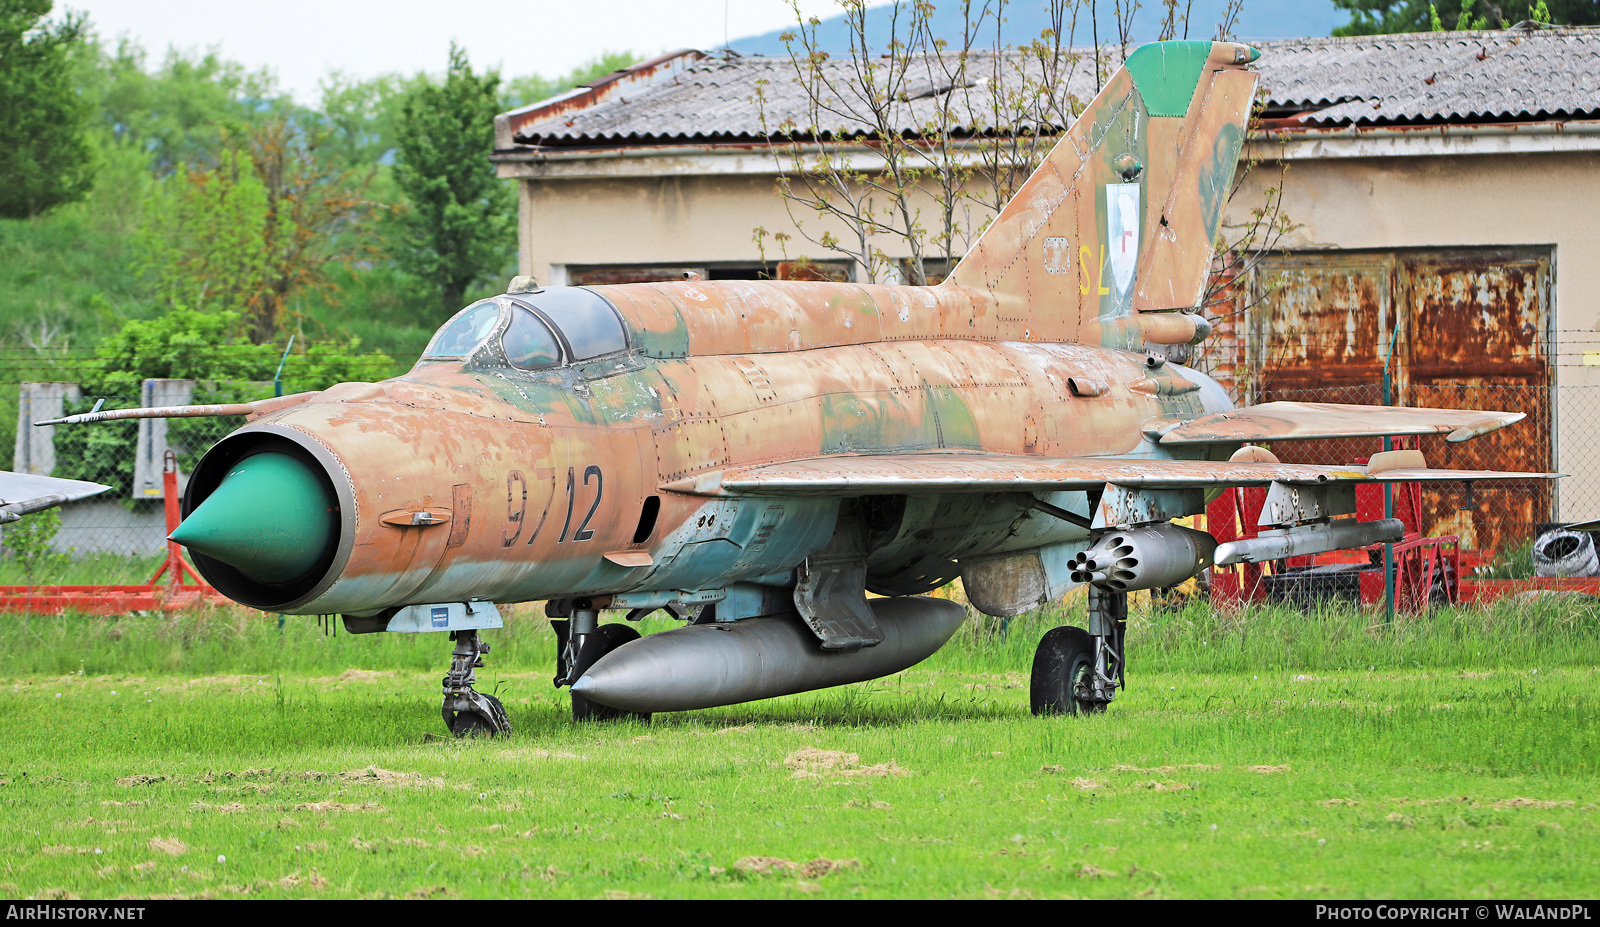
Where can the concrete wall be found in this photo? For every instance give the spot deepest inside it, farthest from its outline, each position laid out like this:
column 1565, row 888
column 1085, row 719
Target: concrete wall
column 35, row 450
column 693, row 213
column 106, row 526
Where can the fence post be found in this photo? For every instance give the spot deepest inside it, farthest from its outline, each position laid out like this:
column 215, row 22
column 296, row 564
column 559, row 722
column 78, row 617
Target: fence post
column 1388, row 488
column 36, row 447
column 152, row 448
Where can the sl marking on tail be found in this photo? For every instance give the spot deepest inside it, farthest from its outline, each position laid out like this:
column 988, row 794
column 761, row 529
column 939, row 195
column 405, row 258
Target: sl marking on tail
column 1086, row 257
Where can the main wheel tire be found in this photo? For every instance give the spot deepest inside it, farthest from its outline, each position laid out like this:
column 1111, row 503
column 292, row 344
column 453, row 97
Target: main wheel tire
column 472, row 724
column 606, row 638
column 1063, row 661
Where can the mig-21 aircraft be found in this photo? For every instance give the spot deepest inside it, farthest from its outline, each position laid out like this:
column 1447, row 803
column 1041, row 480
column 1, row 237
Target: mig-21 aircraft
column 756, row 457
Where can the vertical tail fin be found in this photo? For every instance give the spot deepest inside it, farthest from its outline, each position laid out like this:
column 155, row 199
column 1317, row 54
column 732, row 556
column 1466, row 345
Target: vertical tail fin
column 1118, row 224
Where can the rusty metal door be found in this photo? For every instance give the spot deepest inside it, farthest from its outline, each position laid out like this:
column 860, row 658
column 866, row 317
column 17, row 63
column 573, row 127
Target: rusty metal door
column 1474, row 333
column 1319, row 331
column 1477, row 329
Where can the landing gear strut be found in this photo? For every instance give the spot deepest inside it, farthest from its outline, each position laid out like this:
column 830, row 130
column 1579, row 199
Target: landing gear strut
column 1077, row 671
column 468, row 712
column 580, row 642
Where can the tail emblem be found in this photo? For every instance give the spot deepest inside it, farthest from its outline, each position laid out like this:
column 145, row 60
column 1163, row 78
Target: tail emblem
column 1122, row 228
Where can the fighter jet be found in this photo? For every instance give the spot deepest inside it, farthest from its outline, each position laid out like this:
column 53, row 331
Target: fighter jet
column 756, row 458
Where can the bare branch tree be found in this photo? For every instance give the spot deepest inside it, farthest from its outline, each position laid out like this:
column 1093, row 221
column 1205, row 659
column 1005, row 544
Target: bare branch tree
column 1027, row 104
column 919, row 147
column 881, row 138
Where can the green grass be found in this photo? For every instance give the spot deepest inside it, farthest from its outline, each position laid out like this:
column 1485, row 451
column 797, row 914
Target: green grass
column 388, row 311
column 1516, row 563
column 1265, row 754
column 84, row 570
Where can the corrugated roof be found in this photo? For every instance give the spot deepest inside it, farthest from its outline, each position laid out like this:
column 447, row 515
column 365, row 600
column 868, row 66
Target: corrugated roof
column 749, row 99
column 1424, row 78
column 1448, row 77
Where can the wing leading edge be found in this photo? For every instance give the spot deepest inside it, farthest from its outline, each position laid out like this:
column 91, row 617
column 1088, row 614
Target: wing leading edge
column 946, row 472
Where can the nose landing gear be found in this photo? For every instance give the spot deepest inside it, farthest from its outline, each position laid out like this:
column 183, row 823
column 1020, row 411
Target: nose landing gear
column 468, row 712
column 1077, row 671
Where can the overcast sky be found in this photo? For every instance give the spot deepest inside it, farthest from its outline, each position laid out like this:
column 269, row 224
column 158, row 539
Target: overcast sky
column 302, row 40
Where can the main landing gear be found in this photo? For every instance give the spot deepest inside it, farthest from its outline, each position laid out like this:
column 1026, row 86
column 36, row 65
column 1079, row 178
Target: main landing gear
column 580, row 643
column 1077, row 671
column 468, row 712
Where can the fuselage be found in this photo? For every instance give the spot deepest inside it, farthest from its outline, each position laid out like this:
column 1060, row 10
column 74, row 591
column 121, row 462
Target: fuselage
column 470, row 478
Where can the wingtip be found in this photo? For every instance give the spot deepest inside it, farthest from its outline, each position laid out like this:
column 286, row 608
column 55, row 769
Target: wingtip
column 1483, row 426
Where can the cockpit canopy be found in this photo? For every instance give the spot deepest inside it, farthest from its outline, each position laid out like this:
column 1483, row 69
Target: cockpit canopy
column 532, row 331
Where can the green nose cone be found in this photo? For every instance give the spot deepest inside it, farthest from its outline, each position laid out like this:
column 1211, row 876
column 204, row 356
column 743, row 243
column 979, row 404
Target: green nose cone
column 271, row 518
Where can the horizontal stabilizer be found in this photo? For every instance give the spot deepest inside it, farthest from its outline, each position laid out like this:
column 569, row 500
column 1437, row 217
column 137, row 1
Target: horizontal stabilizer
column 1304, row 421
column 886, row 474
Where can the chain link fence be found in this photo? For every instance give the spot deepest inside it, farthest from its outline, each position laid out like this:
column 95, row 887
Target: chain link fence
column 1498, row 517
column 119, row 536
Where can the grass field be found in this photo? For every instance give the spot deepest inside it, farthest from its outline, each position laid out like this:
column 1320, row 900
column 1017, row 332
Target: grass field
column 1266, row 754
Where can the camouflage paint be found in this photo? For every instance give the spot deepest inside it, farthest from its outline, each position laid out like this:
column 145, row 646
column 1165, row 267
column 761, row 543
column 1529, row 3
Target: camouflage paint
column 1216, row 180
column 1166, row 74
column 747, row 419
column 539, row 481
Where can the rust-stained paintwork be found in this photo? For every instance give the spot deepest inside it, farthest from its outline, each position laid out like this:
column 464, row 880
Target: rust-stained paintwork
column 1297, row 421
column 1005, row 411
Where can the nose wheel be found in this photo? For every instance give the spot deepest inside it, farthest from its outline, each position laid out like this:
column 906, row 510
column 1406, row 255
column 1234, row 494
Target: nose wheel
column 1078, row 672
column 468, row 712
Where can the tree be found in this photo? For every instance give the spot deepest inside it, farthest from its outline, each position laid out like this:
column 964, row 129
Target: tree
column 45, row 157
column 203, row 243
column 179, row 343
column 1385, row 17
column 182, row 113
column 458, row 225
column 314, row 210
column 362, row 117
column 913, row 143
column 257, row 229
column 853, row 163
column 205, row 346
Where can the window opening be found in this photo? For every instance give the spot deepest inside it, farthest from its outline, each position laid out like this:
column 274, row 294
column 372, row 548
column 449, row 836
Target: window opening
column 529, row 343
column 465, row 332
column 589, row 324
